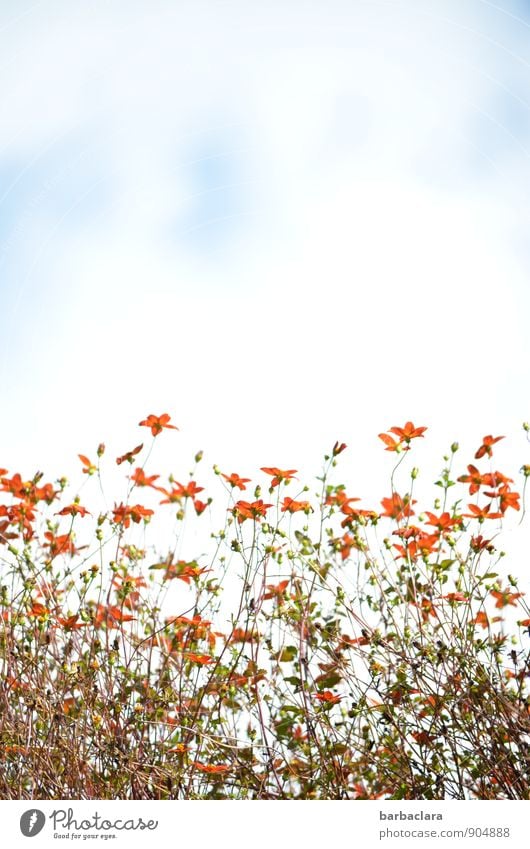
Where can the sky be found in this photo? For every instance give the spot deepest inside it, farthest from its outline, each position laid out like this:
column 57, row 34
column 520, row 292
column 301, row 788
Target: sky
column 284, row 224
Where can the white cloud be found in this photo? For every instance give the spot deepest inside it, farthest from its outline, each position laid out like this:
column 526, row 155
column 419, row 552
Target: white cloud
column 365, row 272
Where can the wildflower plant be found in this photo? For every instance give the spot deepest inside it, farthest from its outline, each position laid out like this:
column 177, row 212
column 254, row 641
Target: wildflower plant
column 319, row 648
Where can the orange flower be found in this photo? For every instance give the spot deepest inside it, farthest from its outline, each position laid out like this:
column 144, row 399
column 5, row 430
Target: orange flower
column 485, row 448
column 249, row 510
column 70, row 623
column 327, row 697
column 124, row 514
column 38, row 609
column 422, row 737
column 201, row 659
column 444, row 522
column 276, row 590
column 110, row 616
column 129, row 455
column 455, row 597
column 478, row 543
column 506, row 497
column 125, row 583
column 346, row 542
column 474, row 479
column 481, row 513
column 408, row 431
column 340, row 499
column 61, row 544
column 211, row 769
column 354, row 641
column 505, row 597
column 481, row 619
column 291, row 506
column 338, row 449
column 242, row 635
column 496, row 479
column 422, row 546
column 180, row 748
column 189, row 490
column 89, row 467
column 16, row 486
column 183, row 570
column 279, row 475
column 140, row 479
column 158, row 423
column 235, row 480
column 73, row 510
column 404, row 434
column 397, row 507
column 426, row 608
column 391, row 443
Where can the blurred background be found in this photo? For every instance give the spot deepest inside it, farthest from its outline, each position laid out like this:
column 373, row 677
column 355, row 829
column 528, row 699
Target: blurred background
column 283, row 225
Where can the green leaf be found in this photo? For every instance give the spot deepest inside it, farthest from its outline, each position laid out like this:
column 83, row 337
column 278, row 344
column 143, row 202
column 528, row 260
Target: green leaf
column 287, row 654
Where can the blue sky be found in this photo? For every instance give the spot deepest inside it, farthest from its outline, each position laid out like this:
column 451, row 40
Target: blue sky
column 284, row 226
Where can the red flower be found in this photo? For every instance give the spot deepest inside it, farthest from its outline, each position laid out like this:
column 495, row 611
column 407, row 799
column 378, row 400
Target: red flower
column 158, row 423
